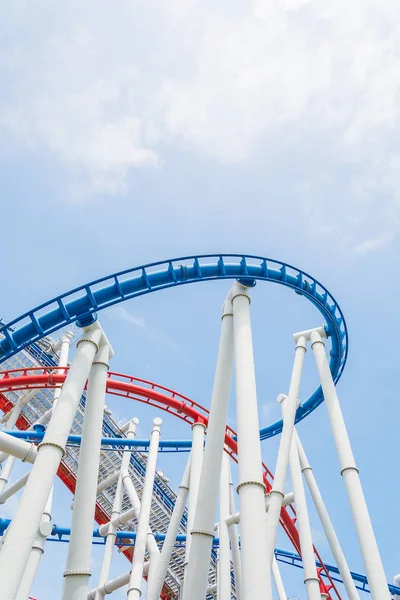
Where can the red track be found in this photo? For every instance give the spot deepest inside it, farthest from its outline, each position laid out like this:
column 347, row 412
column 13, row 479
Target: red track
column 154, row 395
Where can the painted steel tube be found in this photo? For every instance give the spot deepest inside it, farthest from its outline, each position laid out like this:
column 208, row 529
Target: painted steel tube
column 311, row 579
column 11, row 445
column 36, row 553
column 224, row 573
column 280, row 588
column 195, row 473
column 62, row 362
column 78, row 567
column 135, row 581
column 326, row 522
column 116, row 509
column 155, row 587
column 256, row 580
column 5, row 473
column 23, row 529
column 277, row 492
column 233, row 535
column 14, row 488
column 362, row 521
column 202, row 534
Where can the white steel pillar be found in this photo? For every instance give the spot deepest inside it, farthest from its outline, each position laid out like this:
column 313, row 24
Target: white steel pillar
column 326, row 522
column 196, row 463
column 135, row 581
column 280, row 588
column 311, row 579
column 256, row 578
column 154, row 587
column 24, row 527
column 348, row 469
column 36, row 553
column 224, row 573
column 277, row 493
column 233, row 534
column 116, row 511
column 77, row 569
column 62, row 362
column 5, row 474
column 203, row 531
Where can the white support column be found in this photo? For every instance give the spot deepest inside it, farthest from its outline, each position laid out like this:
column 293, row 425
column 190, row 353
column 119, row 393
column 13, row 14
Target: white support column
column 116, row 511
column 5, row 473
column 203, row 531
column 198, row 430
column 151, row 543
column 280, row 588
column 233, row 534
column 326, row 522
column 36, row 553
column 154, row 587
column 348, row 469
column 311, row 579
column 23, row 529
column 256, row 579
column 14, row 488
column 62, row 362
column 77, row 570
column 277, row 493
column 135, row 581
column 224, row 578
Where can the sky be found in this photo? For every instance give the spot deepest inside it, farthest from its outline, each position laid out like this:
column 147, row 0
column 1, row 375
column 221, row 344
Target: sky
column 137, row 131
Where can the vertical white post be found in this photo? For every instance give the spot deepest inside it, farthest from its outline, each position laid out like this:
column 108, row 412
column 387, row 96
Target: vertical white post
column 277, row 493
column 195, row 471
column 154, row 588
column 45, row 526
column 224, row 579
column 311, row 579
column 116, row 511
column 348, row 469
column 280, row 588
column 151, row 543
column 203, row 531
column 326, row 522
column 233, row 534
column 77, row 569
column 135, row 581
column 62, row 362
column 256, row 579
column 36, row 553
column 24, row 527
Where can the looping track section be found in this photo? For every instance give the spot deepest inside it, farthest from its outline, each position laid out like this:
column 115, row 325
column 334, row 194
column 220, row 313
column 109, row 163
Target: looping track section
column 84, row 302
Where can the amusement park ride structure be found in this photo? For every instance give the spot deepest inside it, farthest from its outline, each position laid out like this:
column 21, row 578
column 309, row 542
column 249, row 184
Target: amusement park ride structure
column 193, row 544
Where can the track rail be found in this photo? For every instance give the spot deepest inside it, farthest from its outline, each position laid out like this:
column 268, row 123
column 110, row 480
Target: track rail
column 152, row 394
column 84, row 302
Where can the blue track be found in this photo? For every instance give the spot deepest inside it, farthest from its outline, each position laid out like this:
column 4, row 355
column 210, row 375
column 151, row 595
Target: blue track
column 290, row 558
column 82, row 303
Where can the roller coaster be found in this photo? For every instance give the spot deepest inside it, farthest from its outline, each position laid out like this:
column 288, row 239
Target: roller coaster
column 205, row 540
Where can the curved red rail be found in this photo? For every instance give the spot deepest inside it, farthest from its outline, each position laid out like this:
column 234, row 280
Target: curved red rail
column 152, row 394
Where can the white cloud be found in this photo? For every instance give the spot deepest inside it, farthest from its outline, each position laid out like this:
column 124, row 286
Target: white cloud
column 153, row 332
column 106, row 88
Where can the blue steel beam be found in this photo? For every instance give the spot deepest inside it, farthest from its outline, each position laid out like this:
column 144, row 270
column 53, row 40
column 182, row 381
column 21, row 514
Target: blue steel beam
column 82, row 304
column 114, row 442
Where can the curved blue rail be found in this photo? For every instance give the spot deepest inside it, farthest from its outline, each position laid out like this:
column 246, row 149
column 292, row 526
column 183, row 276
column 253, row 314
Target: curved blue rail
column 84, row 302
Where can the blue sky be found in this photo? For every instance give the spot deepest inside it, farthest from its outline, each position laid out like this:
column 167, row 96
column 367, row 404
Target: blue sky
column 140, row 131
